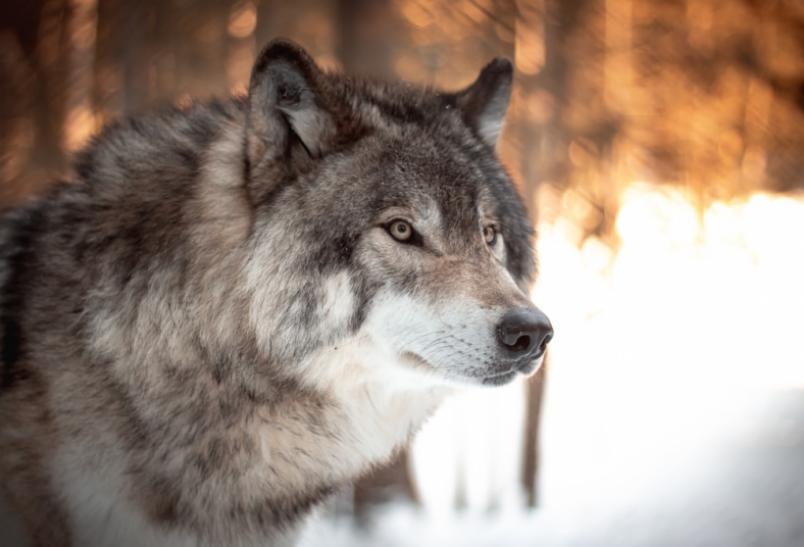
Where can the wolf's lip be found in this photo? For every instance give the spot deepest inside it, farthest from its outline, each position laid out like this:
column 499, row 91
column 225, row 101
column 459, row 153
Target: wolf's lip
column 500, row 378
column 503, row 373
column 525, row 368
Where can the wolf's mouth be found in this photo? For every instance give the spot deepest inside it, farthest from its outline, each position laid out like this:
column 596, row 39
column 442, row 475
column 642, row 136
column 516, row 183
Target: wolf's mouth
column 499, row 379
column 525, row 368
column 522, row 367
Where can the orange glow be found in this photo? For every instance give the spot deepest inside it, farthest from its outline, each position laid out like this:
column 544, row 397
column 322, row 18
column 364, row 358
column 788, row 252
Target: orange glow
column 80, row 120
column 243, row 20
column 79, row 126
column 417, row 14
column 529, row 53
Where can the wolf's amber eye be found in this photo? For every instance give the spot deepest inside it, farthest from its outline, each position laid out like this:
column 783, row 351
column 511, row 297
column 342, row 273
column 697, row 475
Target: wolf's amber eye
column 400, row 230
column 490, row 235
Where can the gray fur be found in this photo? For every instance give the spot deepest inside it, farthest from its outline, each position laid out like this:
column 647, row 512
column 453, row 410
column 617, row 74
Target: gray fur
column 185, row 324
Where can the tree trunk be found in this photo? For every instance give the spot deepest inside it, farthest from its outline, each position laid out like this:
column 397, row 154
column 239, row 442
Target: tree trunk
column 534, row 396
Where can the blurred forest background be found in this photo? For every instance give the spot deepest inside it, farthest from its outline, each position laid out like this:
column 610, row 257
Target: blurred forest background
column 703, row 99
column 702, row 93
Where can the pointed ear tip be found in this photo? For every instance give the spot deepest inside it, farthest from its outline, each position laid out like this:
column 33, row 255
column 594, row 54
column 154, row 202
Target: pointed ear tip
column 500, row 66
column 282, row 45
column 282, row 49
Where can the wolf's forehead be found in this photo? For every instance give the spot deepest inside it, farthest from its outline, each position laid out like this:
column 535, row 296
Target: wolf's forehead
column 434, row 173
column 399, row 102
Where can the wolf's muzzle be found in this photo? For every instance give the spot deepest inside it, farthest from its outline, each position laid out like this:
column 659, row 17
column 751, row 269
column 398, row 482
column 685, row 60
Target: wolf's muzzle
column 524, row 334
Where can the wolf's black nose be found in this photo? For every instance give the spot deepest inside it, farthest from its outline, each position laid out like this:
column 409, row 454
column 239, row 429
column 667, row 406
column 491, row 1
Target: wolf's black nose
column 525, row 332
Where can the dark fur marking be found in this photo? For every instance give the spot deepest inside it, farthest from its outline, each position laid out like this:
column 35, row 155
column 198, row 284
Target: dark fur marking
column 18, row 262
column 364, row 292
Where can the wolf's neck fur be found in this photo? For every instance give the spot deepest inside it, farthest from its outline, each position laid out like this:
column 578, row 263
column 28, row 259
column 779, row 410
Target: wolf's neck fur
column 227, row 466
column 334, row 439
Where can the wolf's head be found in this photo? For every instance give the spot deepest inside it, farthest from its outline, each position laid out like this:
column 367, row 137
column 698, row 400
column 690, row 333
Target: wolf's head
column 386, row 228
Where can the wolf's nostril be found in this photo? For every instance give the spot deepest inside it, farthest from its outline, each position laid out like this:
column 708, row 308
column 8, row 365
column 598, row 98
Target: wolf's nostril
column 545, row 341
column 522, row 343
column 525, row 332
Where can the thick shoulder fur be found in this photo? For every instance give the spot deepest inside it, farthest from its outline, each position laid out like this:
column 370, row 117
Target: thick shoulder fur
column 158, row 148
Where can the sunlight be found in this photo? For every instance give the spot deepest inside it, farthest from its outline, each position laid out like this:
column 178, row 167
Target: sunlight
column 692, row 317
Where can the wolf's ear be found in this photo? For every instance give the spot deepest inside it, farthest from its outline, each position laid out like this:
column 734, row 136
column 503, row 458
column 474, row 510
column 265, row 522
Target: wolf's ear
column 285, row 107
column 484, row 103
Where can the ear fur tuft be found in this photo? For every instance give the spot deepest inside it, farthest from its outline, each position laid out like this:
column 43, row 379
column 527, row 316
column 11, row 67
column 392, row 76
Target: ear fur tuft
column 284, row 106
column 485, row 102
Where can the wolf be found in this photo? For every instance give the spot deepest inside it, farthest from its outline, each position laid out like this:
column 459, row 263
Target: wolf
column 234, row 308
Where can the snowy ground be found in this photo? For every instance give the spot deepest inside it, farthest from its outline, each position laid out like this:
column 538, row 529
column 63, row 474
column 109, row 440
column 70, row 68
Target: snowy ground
column 742, row 487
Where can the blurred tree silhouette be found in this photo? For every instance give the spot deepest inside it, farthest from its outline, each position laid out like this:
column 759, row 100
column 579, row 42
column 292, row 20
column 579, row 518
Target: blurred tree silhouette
column 694, row 92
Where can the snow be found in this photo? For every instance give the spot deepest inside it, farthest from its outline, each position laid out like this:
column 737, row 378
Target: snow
column 743, row 487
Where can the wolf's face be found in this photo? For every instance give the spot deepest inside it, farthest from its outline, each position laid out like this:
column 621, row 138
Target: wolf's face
column 419, row 240
column 442, row 245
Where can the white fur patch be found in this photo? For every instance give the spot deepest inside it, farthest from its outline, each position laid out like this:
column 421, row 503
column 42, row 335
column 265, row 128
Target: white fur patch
column 339, row 300
column 381, row 402
column 490, row 126
column 455, row 339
